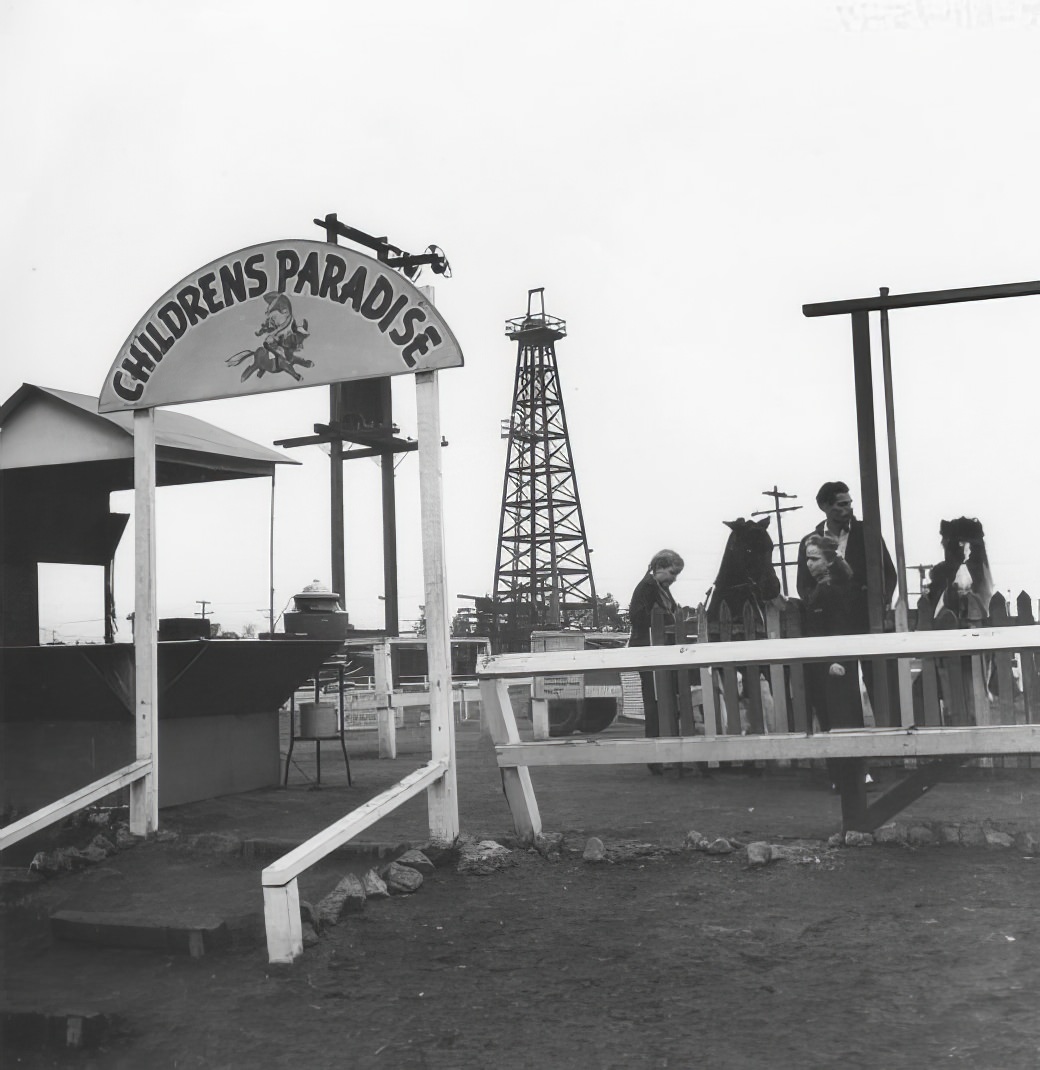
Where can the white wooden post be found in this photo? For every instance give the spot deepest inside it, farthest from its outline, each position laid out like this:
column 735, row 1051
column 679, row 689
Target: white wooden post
column 516, row 780
column 386, row 715
column 539, row 716
column 283, row 924
column 442, row 796
column 144, row 793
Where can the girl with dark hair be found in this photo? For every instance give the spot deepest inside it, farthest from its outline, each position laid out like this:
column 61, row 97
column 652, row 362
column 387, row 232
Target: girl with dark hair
column 652, row 591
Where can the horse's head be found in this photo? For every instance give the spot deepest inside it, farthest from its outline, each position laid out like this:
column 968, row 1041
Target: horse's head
column 748, row 558
column 964, row 570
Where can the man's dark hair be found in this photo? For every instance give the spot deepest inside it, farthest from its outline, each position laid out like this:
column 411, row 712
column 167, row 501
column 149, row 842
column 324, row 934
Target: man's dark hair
column 829, row 491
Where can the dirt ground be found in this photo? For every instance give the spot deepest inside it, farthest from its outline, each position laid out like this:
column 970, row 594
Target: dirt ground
column 662, row 957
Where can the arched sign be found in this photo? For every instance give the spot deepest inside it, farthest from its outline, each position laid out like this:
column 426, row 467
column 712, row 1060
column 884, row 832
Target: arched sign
column 277, row 316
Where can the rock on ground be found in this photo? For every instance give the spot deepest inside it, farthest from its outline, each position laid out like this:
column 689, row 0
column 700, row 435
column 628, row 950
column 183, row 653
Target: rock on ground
column 483, row 857
column 416, row 860
column 348, row 897
column 374, row 886
column 402, row 880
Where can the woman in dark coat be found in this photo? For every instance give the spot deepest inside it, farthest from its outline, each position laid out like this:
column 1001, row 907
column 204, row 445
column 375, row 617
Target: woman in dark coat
column 833, row 689
column 830, row 610
column 653, row 590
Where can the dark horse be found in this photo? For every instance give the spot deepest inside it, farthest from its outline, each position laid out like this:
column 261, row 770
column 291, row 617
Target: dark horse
column 746, row 579
column 736, row 609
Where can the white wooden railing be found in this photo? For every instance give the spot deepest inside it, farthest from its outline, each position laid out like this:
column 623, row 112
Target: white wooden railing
column 279, row 880
column 73, row 802
column 515, row 757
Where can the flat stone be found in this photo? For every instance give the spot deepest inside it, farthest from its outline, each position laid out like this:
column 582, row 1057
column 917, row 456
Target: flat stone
column 720, row 846
column 836, row 839
column 374, row 886
column 594, row 851
column 858, row 839
column 483, row 857
column 1027, row 842
column 125, row 838
column 60, row 860
column 920, row 836
column 441, row 852
column 695, row 841
column 186, row 936
column 549, row 845
column 948, row 834
column 759, row 854
column 972, row 836
column 401, row 880
column 416, row 860
column 995, row 838
column 104, row 844
column 348, row 897
column 888, row 835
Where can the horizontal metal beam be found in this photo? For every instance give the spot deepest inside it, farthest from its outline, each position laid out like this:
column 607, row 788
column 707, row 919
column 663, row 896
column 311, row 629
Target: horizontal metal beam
column 918, row 300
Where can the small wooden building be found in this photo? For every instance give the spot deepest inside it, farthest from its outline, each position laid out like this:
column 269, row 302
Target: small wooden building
column 66, row 711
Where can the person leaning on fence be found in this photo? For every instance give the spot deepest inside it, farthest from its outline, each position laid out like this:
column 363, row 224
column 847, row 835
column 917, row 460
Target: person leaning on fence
column 833, row 687
column 652, row 591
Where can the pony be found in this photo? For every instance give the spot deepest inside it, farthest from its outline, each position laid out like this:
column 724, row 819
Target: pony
column 960, row 587
column 283, row 338
column 746, row 577
column 736, row 608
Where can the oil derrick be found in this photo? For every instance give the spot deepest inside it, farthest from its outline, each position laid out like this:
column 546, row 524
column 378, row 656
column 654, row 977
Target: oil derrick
column 543, row 575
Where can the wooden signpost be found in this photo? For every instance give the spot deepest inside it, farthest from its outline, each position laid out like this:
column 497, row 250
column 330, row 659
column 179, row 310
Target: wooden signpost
column 280, row 316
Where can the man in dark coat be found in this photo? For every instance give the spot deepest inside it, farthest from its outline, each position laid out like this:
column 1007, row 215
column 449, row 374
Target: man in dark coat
column 840, row 523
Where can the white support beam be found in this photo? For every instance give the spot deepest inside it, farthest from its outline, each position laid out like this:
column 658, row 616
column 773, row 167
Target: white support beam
column 144, row 793
column 516, row 782
column 762, row 652
column 301, row 858
column 283, row 923
column 383, row 682
column 852, row 743
column 443, row 795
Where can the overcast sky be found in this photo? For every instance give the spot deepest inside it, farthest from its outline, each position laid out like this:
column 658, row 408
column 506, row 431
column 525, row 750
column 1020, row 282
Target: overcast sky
column 680, row 176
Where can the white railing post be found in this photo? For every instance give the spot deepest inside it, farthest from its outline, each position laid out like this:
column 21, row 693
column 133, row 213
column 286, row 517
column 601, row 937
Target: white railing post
column 442, row 796
column 386, row 715
column 144, row 793
column 516, row 780
column 283, row 924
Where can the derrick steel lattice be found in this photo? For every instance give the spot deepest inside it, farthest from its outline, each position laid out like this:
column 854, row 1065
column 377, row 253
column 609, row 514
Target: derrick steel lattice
column 543, row 572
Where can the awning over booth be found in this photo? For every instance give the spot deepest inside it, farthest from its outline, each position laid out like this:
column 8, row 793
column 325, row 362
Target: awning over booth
column 59, row 462
column 43, row 427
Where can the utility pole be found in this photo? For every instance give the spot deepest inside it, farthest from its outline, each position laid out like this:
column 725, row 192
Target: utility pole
column 922, row 574
column 202, row 612
column 777, row 509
